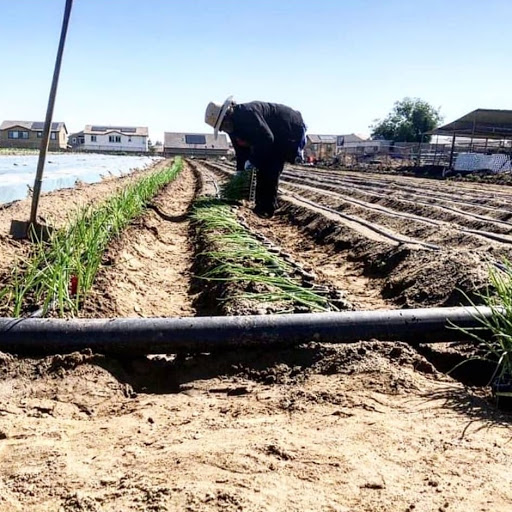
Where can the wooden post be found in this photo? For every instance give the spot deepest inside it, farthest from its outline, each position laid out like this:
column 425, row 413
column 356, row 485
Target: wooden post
column 435, row 151
column 510, row 153
column 49, row 114
column 472, row 134
column 451, row 152
column 418, row 156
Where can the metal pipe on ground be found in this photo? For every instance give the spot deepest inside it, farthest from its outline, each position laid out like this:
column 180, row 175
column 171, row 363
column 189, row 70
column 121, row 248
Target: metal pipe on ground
column 139, row 336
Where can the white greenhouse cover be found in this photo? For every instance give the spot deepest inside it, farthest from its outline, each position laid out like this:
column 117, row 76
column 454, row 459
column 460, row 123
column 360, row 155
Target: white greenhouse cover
column 479, row 162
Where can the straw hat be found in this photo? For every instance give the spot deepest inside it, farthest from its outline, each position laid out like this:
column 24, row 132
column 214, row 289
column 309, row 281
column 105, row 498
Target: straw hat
column 215, row 114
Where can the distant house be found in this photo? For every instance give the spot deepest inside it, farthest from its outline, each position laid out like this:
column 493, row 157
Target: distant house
column 358, row 146
column 195, row 144
column 349, row 140
column 28, row 135
column 158, row 147
column 320, row 147
column 325, row 147
column 111, row 138
column 76, row 140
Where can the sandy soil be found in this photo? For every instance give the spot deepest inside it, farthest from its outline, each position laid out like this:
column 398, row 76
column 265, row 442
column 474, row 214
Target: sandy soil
column 369, row 427
column 148, row 270
column 360, row 428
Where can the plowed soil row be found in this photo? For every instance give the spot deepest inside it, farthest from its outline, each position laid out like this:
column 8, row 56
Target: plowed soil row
column 369, row 427
column 465, row 215
column 469, row 193
column 148, row 271
column 440, row 209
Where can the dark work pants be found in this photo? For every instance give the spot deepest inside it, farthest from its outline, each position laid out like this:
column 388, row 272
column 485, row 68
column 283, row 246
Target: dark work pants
column 266, row 186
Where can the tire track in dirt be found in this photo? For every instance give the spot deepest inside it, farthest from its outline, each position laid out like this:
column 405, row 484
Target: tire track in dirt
column 149, row 268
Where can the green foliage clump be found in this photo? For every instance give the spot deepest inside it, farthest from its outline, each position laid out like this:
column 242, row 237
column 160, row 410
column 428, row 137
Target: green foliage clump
column 409, row 119
column 238, row 186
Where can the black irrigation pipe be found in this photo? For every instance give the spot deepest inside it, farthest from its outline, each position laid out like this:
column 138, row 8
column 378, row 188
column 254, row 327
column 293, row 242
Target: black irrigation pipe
column 139, row 336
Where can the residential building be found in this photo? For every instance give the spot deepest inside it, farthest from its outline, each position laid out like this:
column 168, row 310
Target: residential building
column 350, row 140
column 76, row 140
column 320, row 147
column 195, row 144
column 111, row 139
column 367, row 147
column 28, row 135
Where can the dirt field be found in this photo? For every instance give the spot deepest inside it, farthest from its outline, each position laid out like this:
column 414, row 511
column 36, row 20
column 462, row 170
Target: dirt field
column 369, row 427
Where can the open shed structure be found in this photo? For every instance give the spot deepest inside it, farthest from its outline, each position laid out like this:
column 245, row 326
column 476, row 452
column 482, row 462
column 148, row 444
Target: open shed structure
column 480, row 124
column 480, row 140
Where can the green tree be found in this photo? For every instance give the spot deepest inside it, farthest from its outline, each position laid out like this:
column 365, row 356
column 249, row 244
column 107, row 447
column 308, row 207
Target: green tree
column 407, row 121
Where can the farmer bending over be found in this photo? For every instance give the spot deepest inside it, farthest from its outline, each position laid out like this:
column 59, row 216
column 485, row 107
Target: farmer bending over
column 265, row 134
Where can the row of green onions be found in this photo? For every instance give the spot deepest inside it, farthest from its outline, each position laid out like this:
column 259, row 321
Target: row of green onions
column 236, row 256
column 59, row 272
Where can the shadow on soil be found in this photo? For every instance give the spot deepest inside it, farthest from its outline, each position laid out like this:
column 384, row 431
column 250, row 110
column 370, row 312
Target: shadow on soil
column 374, row 367
column 460, row 361
column 164, row 374
column 382, row 365
column 479, row 409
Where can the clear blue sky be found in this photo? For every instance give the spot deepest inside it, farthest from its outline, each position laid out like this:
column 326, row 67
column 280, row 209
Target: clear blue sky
column 343, row 63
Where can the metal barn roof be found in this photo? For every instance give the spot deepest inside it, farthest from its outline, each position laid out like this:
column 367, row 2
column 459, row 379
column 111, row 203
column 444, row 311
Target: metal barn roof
column 481, row 123
column 334, row 139
column 349, row 138
column 321, row 139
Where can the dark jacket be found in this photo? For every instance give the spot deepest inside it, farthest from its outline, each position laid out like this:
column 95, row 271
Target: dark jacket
column 265, row 133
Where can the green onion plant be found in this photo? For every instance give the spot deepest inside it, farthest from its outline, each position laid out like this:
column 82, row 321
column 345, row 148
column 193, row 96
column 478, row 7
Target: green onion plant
column 495, row 332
